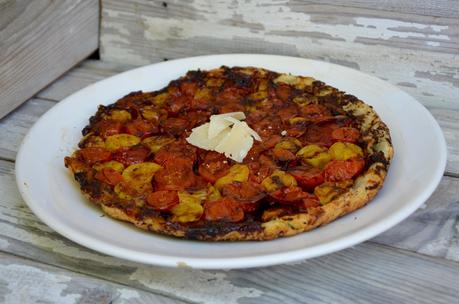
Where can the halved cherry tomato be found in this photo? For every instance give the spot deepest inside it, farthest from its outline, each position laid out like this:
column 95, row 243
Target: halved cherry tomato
column 339, row 170
column 176, row 150
column 132, row 155
column 288, row 112
column 177, row 103
column 177, row 174
column 283, row 154
column 268, row 126
column 106, row 128
column 309, row 201
column 346, row 134
column 283, row 92
column 307, row 177
column 188, row 88
column 289, row 195
column 213, row 166
column 315, row 112
column 141, row 128
column 225, row 210
column 93, row 155
column 320, row 134
column 175, row 126
column 231, row 107
column 246, row 193
column 109, row 176
column 196, row 118
column 163, row 200
column 230, row 95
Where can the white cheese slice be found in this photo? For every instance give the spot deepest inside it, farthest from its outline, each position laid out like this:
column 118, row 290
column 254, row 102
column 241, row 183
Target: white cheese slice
column 217, row 125
column 199, row 137
column 225, row 133
column 235, row 115
column 237, row 143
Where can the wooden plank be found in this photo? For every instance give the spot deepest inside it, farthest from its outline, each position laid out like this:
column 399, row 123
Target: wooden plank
column 16, row 124
column 437, row 8
column 25, row 281
column 366, row 273
column 83, row 75
column 417, row 53
column 40, row 40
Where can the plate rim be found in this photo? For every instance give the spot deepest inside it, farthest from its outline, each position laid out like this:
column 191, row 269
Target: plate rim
column 236, row 262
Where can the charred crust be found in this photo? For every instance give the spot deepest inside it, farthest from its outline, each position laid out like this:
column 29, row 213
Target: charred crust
column 215, row 229
column 377, row 157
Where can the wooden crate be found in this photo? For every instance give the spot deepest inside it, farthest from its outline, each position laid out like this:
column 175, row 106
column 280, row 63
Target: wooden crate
column 39, row 41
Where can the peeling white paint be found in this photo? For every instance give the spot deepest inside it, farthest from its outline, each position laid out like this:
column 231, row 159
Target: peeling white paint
column 127, row 294
column 31, row 285
column 193, row 285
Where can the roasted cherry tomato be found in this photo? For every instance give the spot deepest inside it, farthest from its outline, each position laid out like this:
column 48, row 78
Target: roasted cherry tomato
column 163, row 200
column 176, row 150
column 177, row 174
column 283, row 92
column 289, row 195
column 225, row 210
column 177, row 103
column 133, row 155
column 283, row 154
column 346, row 134
column 288, row 112
column 315, row 112
column 320, row 134
column 230, row 95
column 106, row 128
column 309, row 201
column 175, row 126
column 141, row 128
column 246, row 193
column 188, row 88
column 213, row 166
column 339, row 170
column 109, row 176
column 268, row 126
column 94, row 154
column 307, row 177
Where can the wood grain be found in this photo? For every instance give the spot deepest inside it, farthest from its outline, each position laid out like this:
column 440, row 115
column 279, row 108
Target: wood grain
column 39, row 41
column 24, row 281
column 366, row 273
column 416, row 52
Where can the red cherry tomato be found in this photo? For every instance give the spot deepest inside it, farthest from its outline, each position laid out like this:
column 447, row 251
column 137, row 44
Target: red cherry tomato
column 246, row 193
column 225, row 210
column 320, row 134
column 213, row 166
column 109, row 176
column 133, row 155
column 346, row 134
column 175, row 126
column 307, row 177
column 283, row 92
column 289, row 195
column 315, row 112
column 188, row 88
column 176, row 174
column 163, row 200
column 309, row 201
column 141, row 128
column 339, row 170
column 177, row 150
column 106, row 128
column 93, row 155
column 283, row 155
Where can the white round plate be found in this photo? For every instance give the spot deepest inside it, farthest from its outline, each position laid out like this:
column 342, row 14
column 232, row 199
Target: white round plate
column 52, row 194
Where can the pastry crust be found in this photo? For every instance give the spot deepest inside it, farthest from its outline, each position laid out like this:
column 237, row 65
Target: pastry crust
column 375, row 141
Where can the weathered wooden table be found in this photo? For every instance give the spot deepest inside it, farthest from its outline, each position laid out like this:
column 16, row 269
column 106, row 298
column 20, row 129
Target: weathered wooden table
column 412, row 44
column 416, row 261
